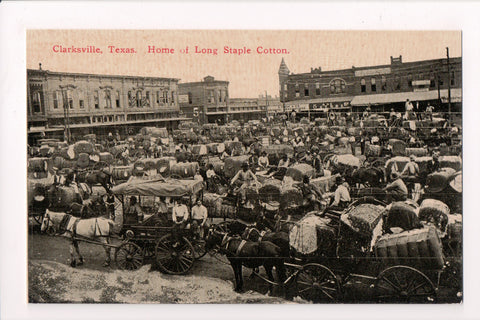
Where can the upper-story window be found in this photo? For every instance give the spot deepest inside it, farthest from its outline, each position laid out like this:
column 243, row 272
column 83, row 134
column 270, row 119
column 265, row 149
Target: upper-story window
column 317, row 89
column 108, row 99
column 373, row 85
column 147, row 98
column 81, row 100
column 397, row 84
column 452, row 78
column 432, row 80
column 36, row 102
column 56, row 99
column 363, row 86
column 337, row 86
column 409, row 79
column 95, row 99
column 117, row 99
column 139, row 98
column 384, row 83
column 306, row 91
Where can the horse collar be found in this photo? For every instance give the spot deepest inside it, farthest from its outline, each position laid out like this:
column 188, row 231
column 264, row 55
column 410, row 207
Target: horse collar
column 240, row 247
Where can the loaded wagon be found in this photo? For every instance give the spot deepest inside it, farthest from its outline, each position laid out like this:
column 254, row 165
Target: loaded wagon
column 154, row 237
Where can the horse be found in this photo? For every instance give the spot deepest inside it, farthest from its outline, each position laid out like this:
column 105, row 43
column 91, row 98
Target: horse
column 99, row 229
column 102, row 177
column 374, row 177
column 246, row 253
column 281, row 239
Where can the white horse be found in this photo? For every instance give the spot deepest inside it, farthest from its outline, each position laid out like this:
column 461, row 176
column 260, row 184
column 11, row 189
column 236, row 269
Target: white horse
column 98, row 229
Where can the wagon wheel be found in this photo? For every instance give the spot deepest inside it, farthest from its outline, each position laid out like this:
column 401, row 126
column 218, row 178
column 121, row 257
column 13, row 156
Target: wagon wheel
column 199, row 249
column 174, row 257
column 129, row 256
column 318, row 283
column 404, row 284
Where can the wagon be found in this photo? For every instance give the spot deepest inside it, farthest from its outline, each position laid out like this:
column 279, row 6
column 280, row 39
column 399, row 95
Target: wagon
column 155, row 239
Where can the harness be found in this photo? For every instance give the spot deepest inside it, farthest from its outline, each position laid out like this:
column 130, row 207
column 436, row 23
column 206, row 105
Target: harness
column 226, row 241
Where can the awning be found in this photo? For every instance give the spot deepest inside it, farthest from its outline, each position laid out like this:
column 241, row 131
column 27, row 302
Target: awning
column 386, row 98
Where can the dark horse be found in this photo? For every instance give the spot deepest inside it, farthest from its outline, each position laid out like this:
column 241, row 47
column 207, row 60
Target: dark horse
column 246, row 253
column 102, row 177
column 371, row 177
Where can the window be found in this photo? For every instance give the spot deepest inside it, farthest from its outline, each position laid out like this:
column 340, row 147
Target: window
column 117, row 99
column 56, row 99
column 190, row 98
column 70, row 99
column 95, row 99
column 284, row 87
column 409, row 79
column 363, row 87
column 306, row 93
column 139, row 99
column 165, row 97
column 36, row 102
column 420, row 76
column 432, row 80
column 452, row 78
column 147, row 98
column 131, row 99
column 297, row 94
column 81, row 100
column 337, row 86
column 384, row 83
column 158, row 98
column 373, row 84
column 108, row 99
column 397, row 83
column 317, row 89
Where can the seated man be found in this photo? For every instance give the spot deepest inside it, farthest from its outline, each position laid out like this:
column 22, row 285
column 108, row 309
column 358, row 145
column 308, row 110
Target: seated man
column 341, row 198
column 134, row 213
column 245, row 176
column 263, row 162
column 396, row 190
column 311, row 194
column 180, row 216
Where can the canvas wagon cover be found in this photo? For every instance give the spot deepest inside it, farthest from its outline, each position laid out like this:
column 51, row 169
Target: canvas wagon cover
column 159, row 187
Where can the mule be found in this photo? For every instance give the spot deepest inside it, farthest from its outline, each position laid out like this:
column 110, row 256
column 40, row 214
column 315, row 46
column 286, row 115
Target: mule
column 281, row 239
column 250, row 254
column 96, row 229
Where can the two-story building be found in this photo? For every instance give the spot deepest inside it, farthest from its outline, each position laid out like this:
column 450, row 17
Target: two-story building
column 94, row 103
column 204, row 101
column 382, row 87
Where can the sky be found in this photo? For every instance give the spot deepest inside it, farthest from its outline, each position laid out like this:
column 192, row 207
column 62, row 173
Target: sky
column 249, row 74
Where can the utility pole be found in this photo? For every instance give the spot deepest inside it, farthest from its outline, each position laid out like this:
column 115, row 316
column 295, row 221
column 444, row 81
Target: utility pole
column 449, row 91
column 266, row 104
column 66, row 109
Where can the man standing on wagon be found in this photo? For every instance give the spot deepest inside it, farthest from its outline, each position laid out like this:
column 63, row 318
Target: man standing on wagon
column 199, row 218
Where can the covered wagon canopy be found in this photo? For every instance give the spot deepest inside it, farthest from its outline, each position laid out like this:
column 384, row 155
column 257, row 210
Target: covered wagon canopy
column 159, row 187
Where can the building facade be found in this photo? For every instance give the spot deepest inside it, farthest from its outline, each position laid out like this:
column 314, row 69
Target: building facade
column 204, row 101
column 381, row 87
column 95, row 103
column 246, row 109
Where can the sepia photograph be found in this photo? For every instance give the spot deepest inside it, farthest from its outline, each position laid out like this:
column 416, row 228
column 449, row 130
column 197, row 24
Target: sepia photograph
column 244, row 166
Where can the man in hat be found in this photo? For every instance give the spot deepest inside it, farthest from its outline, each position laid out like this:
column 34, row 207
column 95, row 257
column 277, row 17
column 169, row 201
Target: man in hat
column 180, row 217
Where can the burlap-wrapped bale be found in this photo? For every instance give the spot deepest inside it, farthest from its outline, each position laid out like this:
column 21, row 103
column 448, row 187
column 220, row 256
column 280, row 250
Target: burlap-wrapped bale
column 199, row 149
column 37, row 164
column 271, row 190
column 417, row 248
column 354, row 131
column 228, row 211
column 454, row 162
column 299, row 170
column 212, row 148
column 164, row 164
column 419, row 152
column 313, row 234
column 184, row 169
column 106, row 157
column 90, row 137
column 213, row 203
column 121, row 173
column 64, row 197
column 234, row 147
column 154, row 132
column 398, row 147
column 234, row 164
column 454, row 227
column 118, row 149
column 299, row 131
column 365, row 217
column 83, row 147
column 423, row 163
column 401, row 162
column 59, row 162
column 438, row 181
column 434, row 211
column 291, row 197
column 83, row 160
column 373, row 150
column 46, row 151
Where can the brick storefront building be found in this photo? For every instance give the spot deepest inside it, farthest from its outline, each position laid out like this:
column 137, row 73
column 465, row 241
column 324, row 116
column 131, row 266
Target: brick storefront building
column 382, row 87
column 95, row 103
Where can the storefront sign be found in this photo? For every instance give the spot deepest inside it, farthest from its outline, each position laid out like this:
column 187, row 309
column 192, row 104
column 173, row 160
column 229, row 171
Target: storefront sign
column 372, row 72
